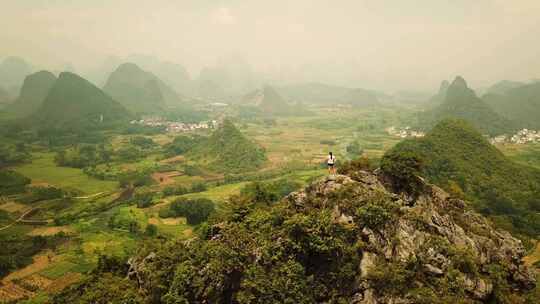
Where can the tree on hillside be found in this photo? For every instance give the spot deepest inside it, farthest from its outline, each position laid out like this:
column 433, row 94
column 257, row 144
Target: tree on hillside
column 196, row 211
column 404, row 169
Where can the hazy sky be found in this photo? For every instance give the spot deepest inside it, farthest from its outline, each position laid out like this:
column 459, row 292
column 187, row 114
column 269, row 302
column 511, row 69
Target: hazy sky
column 382, row 44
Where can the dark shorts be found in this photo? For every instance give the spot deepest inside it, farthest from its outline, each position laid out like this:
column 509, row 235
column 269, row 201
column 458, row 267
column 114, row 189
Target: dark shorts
column 330, row 165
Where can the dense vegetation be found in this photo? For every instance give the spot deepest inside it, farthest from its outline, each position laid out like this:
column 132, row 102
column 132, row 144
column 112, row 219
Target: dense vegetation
column 461, row 102
column 182, row 144
column 88, row 156
column 269, row 192
column 13, row 153
column 12, row 182
column 195, row 211
column 455, row 156
column 227, row 149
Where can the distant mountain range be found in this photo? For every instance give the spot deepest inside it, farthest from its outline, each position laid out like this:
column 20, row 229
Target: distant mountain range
column 173, row 74
column 229, row 76
column 461, row 102
column 361, row 98
column 176, row 76
column 140, row 91
column 34, row 90
column 520, row 104
column 268, row 100
column 504, row 86
column 210, row 90
column 318, row 93
column 74, row 103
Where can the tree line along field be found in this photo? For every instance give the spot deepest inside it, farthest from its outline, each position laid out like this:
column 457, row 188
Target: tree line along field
column 97, row 220
column 43, row 169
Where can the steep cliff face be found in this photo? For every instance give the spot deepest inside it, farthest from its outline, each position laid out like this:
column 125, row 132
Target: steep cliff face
column 343, row 239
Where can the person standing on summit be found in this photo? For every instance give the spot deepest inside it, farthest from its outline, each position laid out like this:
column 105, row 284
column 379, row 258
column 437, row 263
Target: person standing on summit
column 331, row 162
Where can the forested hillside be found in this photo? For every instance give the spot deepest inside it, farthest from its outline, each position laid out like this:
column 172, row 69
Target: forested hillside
column 457, row 157
column 227, row 149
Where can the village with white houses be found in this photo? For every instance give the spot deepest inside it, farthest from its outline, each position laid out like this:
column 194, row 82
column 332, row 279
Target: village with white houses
column 524, row 136
column 405, row 132
column 175, row 126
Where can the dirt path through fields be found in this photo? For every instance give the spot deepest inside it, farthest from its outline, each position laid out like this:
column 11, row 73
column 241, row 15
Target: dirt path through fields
column 534, row 256
column 19, row 219
column 89, row 196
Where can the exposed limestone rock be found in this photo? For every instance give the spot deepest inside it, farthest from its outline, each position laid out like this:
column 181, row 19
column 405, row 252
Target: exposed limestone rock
column 479, row 288
column 431, row 228
column 369, row 297
column 341, row 218
column 433, row 270
column 138, row 269
column 367, row 263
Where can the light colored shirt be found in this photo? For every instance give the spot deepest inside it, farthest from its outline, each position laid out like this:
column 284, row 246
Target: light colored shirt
column 331, row 160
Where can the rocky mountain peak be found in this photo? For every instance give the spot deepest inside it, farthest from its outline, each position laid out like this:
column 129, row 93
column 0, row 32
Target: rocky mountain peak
column 459, row 82
column 444, row 86
column 434, row 230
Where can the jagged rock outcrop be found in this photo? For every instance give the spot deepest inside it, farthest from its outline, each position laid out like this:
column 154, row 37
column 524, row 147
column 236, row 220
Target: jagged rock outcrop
column 138, row 269
column 433, row 215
